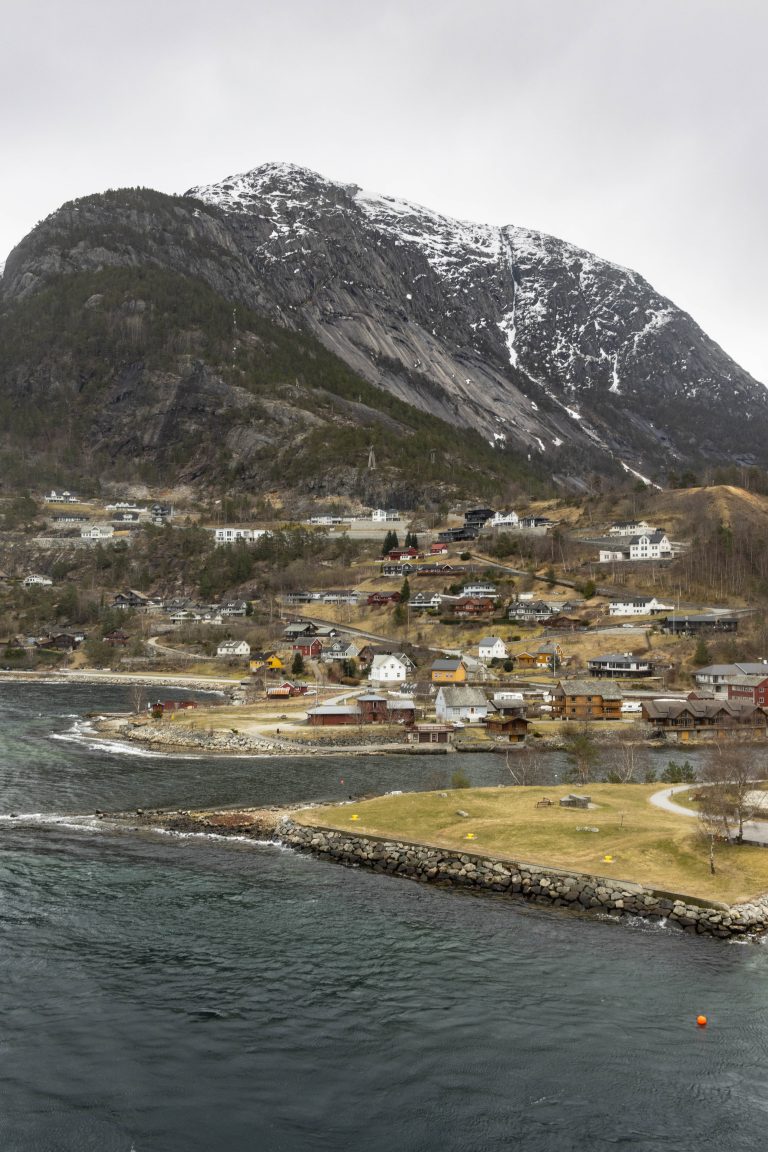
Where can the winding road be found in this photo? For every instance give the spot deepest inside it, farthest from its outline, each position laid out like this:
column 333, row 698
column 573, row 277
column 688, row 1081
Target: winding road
column 755, row 831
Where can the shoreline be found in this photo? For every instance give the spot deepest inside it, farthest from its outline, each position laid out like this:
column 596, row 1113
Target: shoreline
column 93, row 676
column 482, row 874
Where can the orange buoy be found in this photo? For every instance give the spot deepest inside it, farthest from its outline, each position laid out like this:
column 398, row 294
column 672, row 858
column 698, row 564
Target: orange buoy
column 701, row 1021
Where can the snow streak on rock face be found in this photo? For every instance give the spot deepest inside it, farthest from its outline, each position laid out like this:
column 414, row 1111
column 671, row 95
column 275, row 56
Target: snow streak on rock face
column 540, row 345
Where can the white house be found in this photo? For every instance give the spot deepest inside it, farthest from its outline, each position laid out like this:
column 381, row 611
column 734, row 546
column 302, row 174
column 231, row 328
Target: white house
column 97, row 532
column 390, row 668
column 647, row 546
column 481, row 588
column 231, row 535
column 492, row 648
column 234, row 648
column 630, row 528
column 55, row 497
column 34, row 578
column 642, row 606
column 504, row 520
column 458, row 702
column 383, row 515
column 650, row 546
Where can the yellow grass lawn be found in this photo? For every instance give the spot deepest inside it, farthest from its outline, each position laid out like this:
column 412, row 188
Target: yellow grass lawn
column 647, row 845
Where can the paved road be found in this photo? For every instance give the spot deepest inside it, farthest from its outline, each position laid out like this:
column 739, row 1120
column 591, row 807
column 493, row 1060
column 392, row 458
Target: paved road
column 756, row 831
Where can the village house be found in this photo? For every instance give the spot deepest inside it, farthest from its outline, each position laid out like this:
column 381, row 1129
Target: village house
column 400, row 554
column 286, row 690
column 35, row 580
column 492, row 648
column 463, row 704
column 545, row 657
column 308, row 646
column 586, row 700
column 340, row 596
column 480, row 588
column 508, row 725
column 630, row 528
column 299, row 628
column 754, row 689
column 439, row 548
column 538, row 525
column 436, row 570
column 504, row 520
column 421, row 602
column 647, row 546
column 268, row 661
column 384, row 515
column 716, row 677
column 65, row 497
column 478, row 516
column 131, row 599
column 233, row 535
column 449, row 670
column 390, row 568
column 60, row 642
column 620, row 664
column 232, row 648
column 97, row 532
column 530, row 611
column 380, row 599
column 334, row 715
column 117, row 638
column 430, row 733
column 234, row 608
column 708, row 719
column 640, row 606
column 473, row 606
column 693, row 625
column 339, row 650
column 390, row 668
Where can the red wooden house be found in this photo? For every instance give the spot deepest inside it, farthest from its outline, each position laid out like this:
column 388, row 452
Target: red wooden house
column 308, row 646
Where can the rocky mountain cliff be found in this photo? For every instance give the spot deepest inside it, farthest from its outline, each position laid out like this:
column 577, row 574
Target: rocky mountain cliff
column 546, row 351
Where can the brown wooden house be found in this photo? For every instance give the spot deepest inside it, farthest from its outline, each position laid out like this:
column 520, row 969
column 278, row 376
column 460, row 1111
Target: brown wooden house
column 586, row 700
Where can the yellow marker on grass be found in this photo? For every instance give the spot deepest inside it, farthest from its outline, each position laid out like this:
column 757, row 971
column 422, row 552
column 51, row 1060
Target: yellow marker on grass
column 608, row 859
column 354, row 816
column 470, row 836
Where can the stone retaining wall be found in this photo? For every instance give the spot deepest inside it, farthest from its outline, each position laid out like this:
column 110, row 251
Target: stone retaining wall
column 554, row 887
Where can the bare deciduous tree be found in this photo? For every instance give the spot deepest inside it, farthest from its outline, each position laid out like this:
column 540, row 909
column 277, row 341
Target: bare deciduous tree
column 527, row 766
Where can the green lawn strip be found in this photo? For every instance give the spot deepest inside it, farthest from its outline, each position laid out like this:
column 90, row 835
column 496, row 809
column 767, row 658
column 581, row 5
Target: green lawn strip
column 647, row 845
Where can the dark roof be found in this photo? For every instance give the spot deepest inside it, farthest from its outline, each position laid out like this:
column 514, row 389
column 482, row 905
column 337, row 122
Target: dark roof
column 602, row 688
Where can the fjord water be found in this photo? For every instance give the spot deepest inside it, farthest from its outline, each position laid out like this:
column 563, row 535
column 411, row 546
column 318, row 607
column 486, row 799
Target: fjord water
column 166, row 993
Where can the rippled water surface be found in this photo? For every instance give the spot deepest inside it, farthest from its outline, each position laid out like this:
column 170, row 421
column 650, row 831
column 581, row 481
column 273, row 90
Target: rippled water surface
column 167, row 993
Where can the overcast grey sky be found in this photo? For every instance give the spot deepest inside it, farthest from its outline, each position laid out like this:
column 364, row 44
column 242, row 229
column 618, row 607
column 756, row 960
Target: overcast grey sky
column 635, row 128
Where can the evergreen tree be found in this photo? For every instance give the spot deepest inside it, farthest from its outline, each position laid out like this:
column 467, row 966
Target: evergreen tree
column 297, row 667
column 405, row 591
column 701, row 654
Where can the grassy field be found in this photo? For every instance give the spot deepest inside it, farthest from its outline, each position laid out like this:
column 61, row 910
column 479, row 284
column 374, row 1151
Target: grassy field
column 645, row 844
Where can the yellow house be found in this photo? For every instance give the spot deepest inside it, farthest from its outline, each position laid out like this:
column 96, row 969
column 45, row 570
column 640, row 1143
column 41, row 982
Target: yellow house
column 449, row 671
column 272, row 662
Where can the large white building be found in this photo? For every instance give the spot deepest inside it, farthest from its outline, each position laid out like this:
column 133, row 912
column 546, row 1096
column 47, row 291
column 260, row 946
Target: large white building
column 97, row 532
column 231, row 535
column 504, row 520
column 642, row 606
column 630, row 528
column 647, row 546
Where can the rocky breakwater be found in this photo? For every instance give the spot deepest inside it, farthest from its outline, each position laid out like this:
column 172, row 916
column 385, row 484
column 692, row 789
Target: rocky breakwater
column 180, row 736
column 504, row 877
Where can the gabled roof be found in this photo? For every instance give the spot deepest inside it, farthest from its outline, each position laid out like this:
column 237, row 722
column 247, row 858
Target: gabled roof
column 463, row 696
column 489, row 641
column 447, row 665
column 619, row 658
column 602, row 688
